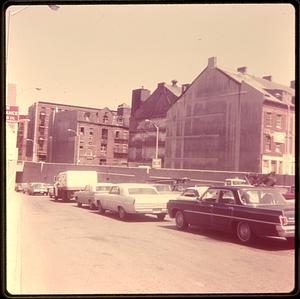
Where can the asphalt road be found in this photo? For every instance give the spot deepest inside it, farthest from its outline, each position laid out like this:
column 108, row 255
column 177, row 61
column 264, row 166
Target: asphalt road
column 64, row 249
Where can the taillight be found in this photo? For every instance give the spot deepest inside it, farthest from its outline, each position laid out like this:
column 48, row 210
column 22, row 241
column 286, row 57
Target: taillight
column 283, row 220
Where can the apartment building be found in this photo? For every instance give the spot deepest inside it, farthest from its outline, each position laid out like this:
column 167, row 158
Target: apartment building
column 231, row 120
column 54, row 131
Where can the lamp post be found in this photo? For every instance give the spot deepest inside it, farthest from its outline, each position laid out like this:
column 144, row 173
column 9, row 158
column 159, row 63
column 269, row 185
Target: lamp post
column 77, row 150
column 157, row 133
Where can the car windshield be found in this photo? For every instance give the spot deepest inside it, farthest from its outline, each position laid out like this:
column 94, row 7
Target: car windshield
column 141, row 191
column 162, row 188
column 262, row 197
column 103, row 188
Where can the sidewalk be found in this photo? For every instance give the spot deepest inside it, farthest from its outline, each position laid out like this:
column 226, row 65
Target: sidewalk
column 13, row 237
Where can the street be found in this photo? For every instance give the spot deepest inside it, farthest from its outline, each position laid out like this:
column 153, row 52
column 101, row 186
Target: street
column 64, row 249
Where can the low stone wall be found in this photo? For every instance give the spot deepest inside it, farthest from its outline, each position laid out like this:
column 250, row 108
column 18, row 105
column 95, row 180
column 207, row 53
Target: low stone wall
column 45, row 172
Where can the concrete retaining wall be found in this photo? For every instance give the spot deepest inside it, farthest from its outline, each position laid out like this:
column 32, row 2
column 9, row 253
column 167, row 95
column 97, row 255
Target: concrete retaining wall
column 45, row 172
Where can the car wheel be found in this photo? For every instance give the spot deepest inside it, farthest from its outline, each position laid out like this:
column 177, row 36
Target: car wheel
column 180, row 221
column 100, row 208
column 79, row 204
column 161, row 217
column 92, row 206
column 122, row 213
column 243, row 232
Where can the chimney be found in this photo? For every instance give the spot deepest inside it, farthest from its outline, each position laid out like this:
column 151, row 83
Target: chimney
column 242, row 69
column 212, row 62
column 184, row 87
column 269, row 78
column 292, row 84
column 139, row 96
column 161, row 84
column 174, row 82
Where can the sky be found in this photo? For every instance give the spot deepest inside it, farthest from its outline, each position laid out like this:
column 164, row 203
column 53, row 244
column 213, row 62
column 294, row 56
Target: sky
column 95, row 55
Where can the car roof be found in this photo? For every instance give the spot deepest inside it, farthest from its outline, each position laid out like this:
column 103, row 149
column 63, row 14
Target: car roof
column 132, row 185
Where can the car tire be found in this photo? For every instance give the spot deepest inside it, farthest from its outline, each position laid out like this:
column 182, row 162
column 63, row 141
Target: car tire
column 79, row 204
column 100, row 208
column 92, row 206
column 122, row 213
column 180, row 221
column 244, row 232
column 161, row 217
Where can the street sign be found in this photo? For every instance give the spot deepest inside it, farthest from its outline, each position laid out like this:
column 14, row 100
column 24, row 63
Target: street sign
column 156, row 163
column 12, row 113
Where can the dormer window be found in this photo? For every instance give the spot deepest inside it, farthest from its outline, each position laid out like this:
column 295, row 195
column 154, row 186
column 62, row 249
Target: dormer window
column 279, row 121
column 87, row 116
column 105, row 119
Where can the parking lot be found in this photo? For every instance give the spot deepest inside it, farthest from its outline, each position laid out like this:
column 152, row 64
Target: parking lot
column 65, row 249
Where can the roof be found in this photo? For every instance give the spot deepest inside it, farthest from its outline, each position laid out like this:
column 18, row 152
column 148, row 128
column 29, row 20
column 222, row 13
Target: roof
column 261, row 84
column 159, row 102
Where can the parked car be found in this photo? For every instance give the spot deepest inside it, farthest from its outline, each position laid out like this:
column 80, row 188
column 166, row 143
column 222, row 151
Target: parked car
column 19, row 187
column 25, row 187
column 165, row 189
column 193, row 192
column 290, row 193
column 129, row 198
column 246, row 211
column 37, row 188
column 87, row 195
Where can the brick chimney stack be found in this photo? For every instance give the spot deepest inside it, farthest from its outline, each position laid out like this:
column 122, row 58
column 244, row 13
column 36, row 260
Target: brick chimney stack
column 242, row 69
column 212, row 62
column 269, row 78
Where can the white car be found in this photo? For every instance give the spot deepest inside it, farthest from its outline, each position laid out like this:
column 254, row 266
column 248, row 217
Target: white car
column 193, row 192
column 129, row 198
column 87, row 195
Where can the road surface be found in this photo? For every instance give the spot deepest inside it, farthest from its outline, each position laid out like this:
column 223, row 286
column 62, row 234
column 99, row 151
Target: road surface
column 64, row 249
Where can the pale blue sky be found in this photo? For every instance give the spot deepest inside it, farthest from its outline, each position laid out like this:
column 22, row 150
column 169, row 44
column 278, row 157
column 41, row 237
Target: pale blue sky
column 96, row 55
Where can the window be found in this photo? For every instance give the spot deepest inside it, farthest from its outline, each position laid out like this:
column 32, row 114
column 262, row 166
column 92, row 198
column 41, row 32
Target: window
column 103, row 147
column 104, row 133
column 273, row 165
column 125, row 135
column 81, row 146
column 81, row 130
column 87, row 116
column 278, row 148
column 269, row 119
column 210, row 195
column 266, row 163
column 117, row 134
column 278, row 121
column 268, row 143
column 226, row 197
column 115, row 190
column 105, row 118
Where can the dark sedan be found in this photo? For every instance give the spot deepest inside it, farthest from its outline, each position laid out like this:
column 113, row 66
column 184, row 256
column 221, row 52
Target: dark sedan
column 246, row 211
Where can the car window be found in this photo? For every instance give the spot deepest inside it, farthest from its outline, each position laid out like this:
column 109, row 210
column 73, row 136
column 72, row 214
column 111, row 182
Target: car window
column 115, row 190
column 210, row 195
column 262, row 197
column 226, row 197
column 189, row 193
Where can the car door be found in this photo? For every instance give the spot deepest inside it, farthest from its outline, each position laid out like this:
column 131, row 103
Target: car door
column 83, row 194
column 223, row 210
column 201, row 214
column 113, row 199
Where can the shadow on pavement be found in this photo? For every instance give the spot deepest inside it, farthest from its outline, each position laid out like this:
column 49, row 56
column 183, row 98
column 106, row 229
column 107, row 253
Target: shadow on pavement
column 269, row 243
column 62, row 201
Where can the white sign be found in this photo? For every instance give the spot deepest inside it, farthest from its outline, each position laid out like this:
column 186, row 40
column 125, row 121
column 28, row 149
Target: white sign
column 156, row 163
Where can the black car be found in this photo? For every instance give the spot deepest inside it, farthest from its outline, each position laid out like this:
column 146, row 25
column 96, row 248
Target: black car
column 246, row 211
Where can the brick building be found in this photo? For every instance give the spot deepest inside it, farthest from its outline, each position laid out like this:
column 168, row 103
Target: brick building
column 22, row 137
column 231, row 120
column 63, row 133
column 152, row 107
